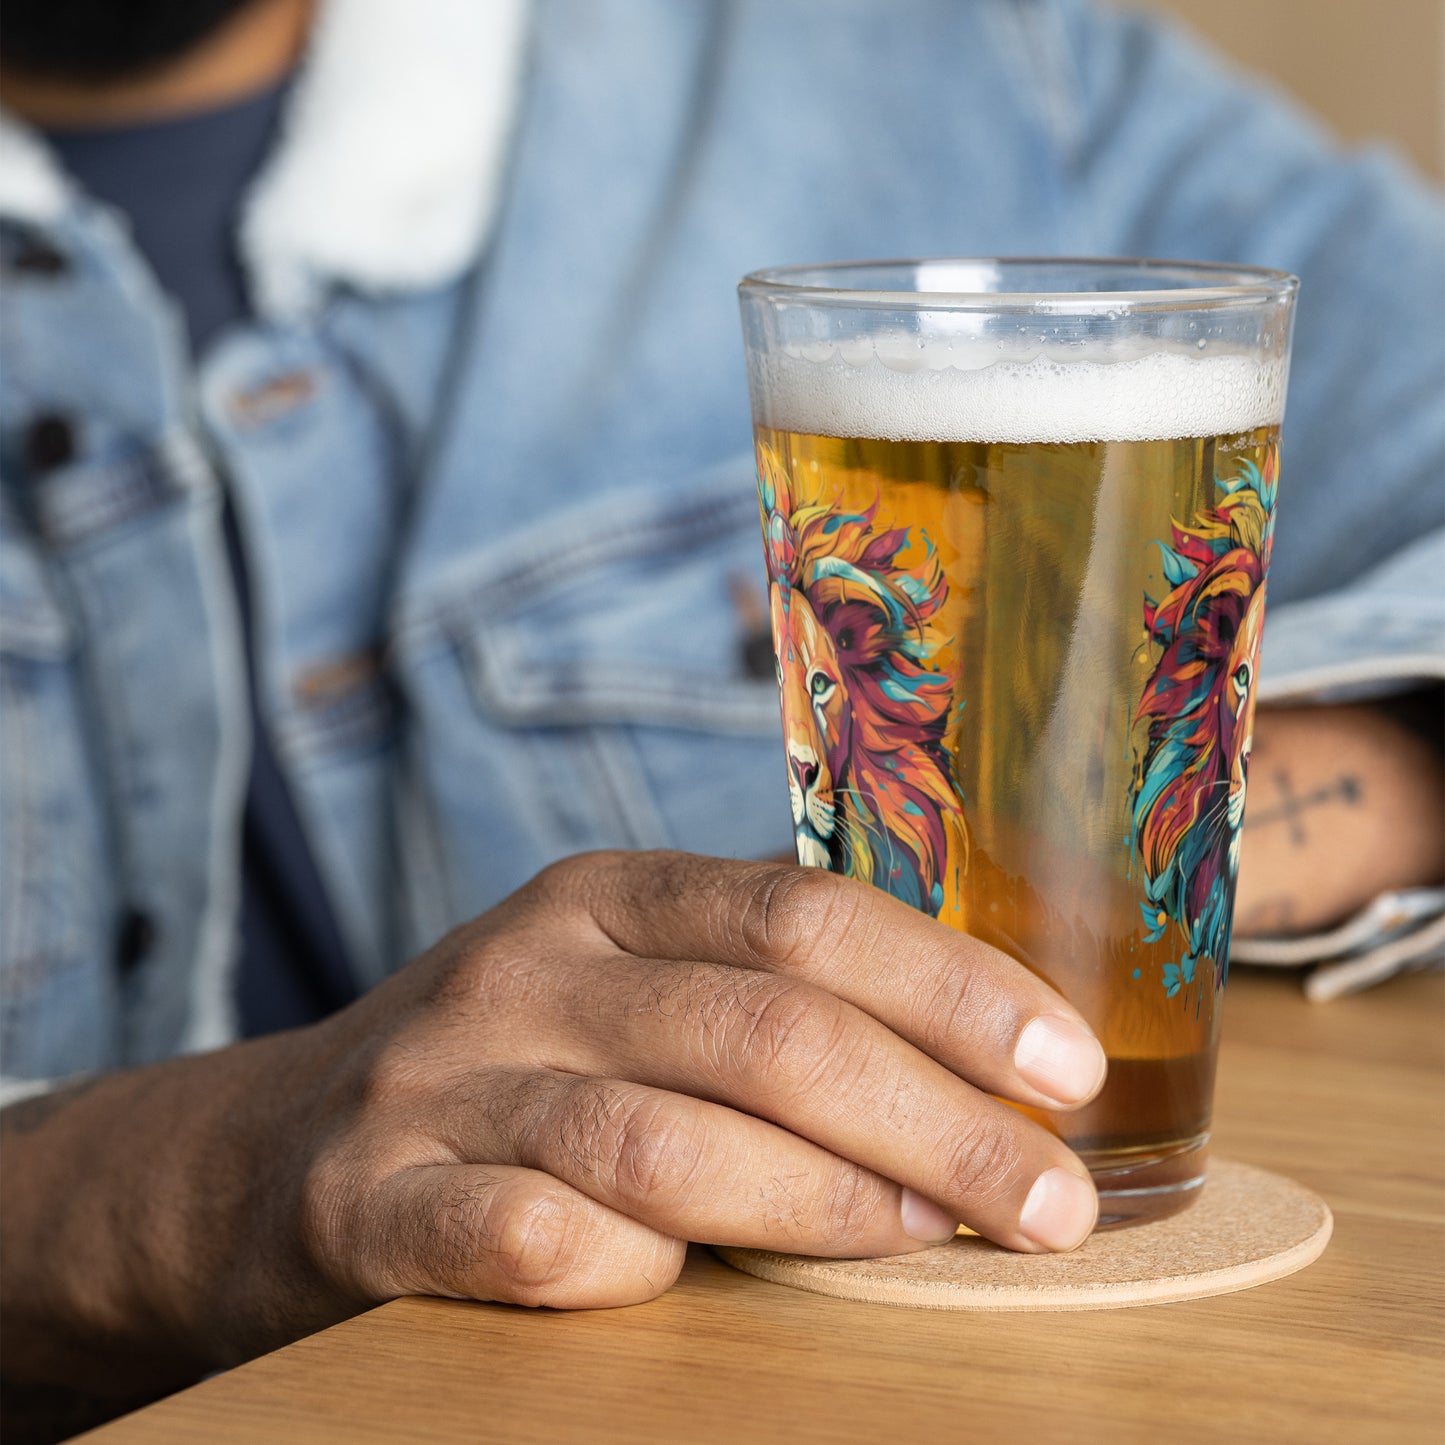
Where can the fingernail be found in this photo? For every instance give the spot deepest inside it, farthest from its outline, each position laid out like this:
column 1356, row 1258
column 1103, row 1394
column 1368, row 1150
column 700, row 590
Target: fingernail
column 1060, row 1059
column 1060, row 1210
column 923, row 1219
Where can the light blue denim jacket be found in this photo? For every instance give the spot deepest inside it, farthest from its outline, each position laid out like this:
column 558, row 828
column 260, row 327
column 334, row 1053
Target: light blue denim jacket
column 500, row 507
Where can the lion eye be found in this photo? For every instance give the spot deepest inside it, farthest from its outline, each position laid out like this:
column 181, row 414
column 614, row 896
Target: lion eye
column 821, row 686
column 1240, row 678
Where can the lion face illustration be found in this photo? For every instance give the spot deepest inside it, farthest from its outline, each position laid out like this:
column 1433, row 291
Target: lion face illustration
column 1199, row 709
column 870, row 779
column 817, row 720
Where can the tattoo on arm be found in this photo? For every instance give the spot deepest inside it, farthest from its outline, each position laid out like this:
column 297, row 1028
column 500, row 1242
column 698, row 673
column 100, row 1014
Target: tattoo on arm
column 1292, row 806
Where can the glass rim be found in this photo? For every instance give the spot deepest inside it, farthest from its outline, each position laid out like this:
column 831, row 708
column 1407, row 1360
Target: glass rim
column 1204, row 285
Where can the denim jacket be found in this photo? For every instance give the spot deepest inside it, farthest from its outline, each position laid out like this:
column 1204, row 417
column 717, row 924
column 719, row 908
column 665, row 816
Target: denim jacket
column 488, row 439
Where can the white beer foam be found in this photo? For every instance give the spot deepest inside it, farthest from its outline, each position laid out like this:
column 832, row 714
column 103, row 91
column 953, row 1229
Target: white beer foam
column 897, row 389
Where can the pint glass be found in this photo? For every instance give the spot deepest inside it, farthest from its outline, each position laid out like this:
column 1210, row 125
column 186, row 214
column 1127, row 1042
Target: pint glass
column 1017, row 519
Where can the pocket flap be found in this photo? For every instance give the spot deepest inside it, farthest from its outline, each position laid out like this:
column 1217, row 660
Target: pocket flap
column 644, row 608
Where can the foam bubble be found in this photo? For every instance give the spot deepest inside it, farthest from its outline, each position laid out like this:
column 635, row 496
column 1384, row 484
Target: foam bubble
column 901, row 389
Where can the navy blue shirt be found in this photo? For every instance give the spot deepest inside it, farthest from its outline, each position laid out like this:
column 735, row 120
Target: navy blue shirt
column 180, row 183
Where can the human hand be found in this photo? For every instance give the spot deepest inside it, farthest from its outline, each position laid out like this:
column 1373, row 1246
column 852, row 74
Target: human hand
column 639, row 1050
column 633, row 1051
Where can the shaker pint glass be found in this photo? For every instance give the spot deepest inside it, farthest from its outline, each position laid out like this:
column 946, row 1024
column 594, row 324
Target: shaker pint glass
column 1017, row 518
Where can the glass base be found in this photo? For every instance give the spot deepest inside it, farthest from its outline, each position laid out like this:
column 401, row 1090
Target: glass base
column 1137, row 1188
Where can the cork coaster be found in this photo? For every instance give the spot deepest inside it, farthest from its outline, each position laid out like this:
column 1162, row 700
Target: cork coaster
column 1248, row 1227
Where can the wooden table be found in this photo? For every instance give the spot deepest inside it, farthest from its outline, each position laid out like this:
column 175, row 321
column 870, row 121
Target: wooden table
column 1345, row 1096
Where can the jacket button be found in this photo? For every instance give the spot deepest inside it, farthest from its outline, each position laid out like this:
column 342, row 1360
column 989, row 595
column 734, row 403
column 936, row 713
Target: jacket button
column 134, row 938
column 38, row 258
column 49, row 443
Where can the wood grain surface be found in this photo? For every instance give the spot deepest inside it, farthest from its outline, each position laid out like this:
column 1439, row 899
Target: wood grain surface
column 1345, row 1097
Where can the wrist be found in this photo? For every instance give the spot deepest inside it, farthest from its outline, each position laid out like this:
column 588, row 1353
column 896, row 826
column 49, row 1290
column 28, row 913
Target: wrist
column 144, row 1221
column 241, row 1280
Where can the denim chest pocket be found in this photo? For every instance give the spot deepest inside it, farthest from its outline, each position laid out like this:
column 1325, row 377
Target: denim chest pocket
column 621, row 686
column 57, row 1005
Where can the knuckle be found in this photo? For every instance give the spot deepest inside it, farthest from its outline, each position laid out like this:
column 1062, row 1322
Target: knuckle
column 984, row 1160
column 457, row 982
column 533, row 1246
column 793, row 1032
column 563, row 888
column 668, row 877
column 562, row 878
column 631, row 1143
column 573, row 884
column 788, row 911
column 853, row 1204
column 964, row 1003
column 656, row 1158
column 596, row 889
column 782, row 1023
column 488, row 975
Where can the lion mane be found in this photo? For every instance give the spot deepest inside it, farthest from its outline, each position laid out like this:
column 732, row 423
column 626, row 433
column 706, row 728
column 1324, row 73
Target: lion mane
column 1198, row 708
column 895, row 811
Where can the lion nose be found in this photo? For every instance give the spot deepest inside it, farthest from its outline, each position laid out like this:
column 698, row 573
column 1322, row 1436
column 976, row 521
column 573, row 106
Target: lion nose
column 806, row 772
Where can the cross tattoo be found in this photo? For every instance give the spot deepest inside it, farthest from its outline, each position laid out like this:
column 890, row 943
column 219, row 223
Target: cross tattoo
column 1292, row 805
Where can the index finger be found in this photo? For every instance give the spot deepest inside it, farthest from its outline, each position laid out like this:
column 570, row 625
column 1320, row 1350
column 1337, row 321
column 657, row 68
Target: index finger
column 970, row 1006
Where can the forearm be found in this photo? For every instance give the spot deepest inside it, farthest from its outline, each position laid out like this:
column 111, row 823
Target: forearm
column 132, row 1208
column 1344, row 803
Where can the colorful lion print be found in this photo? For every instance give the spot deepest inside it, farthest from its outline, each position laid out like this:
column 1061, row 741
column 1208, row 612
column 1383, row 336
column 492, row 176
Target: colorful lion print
column 870, row 778
column 1199, row 709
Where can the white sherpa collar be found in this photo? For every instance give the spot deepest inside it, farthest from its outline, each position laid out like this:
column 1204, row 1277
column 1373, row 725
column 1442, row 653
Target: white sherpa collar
column 391, row 157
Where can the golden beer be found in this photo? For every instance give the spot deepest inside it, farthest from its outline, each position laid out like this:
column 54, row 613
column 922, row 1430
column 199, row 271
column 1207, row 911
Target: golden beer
column 1016, row 606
